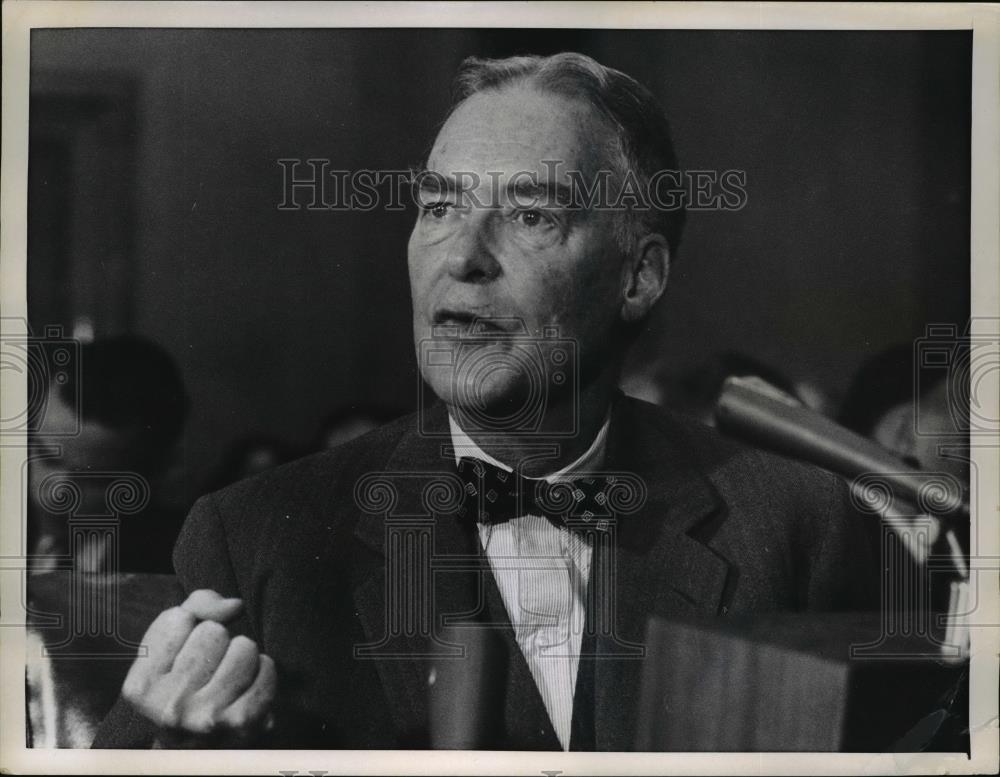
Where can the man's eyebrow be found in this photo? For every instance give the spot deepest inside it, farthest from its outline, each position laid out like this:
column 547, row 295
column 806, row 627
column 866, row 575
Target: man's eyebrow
column 544, row 193
column 432, row 181
column 525, row 190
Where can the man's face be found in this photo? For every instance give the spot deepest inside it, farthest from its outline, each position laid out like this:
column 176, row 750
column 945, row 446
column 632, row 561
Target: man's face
column 896, row 430
column 65, row 447
column 507, row 253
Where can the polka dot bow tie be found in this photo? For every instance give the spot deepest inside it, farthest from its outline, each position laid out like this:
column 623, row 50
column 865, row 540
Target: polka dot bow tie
column 493, row 495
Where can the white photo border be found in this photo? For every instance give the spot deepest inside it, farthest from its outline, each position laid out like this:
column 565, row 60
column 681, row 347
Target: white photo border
column 20, row 16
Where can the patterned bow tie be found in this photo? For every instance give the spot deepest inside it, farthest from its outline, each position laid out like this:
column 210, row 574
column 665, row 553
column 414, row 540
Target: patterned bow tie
column 493, row 495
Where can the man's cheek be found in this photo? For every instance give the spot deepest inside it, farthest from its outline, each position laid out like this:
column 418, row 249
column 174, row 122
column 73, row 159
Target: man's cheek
column 419, row 297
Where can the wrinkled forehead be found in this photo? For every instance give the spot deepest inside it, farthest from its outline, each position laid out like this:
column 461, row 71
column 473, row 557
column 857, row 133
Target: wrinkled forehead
column 521, row 128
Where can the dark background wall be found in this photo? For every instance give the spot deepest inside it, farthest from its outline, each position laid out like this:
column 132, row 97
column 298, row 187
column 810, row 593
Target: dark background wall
column 154, row 188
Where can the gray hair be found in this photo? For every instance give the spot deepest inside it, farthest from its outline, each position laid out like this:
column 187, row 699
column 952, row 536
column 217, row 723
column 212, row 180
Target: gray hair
column 644, row 145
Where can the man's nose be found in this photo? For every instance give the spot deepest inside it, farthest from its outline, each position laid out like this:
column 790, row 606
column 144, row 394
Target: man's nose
column 471, row 258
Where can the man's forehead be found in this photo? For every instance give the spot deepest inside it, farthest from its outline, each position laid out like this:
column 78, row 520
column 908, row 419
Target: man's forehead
column 519, row 128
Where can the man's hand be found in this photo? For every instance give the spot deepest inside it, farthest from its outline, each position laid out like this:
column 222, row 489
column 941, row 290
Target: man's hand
column 199, row 686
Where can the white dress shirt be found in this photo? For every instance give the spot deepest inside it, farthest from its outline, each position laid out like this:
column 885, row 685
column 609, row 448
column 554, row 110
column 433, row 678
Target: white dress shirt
column 542, row 572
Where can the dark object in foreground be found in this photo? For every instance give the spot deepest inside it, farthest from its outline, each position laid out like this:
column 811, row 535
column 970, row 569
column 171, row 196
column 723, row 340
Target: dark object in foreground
column 790, row 683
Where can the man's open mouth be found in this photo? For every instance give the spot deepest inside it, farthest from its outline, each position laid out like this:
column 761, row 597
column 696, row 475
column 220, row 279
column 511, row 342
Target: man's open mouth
column 457, row 323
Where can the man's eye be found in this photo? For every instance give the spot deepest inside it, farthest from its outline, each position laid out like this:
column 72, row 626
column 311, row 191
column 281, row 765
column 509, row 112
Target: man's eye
column 532, row 218
column 439, row 209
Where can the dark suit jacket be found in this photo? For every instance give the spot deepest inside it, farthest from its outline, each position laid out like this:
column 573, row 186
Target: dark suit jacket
column 724, row 530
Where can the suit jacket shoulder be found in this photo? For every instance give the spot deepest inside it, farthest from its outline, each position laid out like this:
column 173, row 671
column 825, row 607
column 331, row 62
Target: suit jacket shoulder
column 782, row 524
column 283, row 512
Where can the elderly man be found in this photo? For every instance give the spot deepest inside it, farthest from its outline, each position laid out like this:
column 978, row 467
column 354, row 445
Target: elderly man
column 567, row 513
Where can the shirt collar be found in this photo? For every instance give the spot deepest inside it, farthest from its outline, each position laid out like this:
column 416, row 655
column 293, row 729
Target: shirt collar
column 592, row 459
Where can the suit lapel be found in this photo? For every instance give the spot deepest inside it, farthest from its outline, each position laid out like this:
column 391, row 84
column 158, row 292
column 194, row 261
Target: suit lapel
column 653, row 566
column 399, row 595
column 526, row 722
column 400, row 529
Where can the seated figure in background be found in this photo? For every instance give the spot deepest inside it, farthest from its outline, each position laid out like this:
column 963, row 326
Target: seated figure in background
column 886, row 399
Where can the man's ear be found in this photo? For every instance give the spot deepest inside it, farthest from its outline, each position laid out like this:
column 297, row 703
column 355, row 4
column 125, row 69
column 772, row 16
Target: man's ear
column 644, row 278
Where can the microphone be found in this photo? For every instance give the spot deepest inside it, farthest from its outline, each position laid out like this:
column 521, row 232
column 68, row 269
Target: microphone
column 758, row 412
column 763, row 415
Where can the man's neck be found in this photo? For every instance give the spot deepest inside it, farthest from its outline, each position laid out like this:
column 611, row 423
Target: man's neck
column 548, row 448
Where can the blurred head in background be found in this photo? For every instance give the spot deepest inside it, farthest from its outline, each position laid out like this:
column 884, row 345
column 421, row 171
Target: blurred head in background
column 884, row 400
column 349, row 423
column 248, row 457
column 122, row 412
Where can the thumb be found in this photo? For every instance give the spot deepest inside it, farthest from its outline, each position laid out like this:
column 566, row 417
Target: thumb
column 208, row 605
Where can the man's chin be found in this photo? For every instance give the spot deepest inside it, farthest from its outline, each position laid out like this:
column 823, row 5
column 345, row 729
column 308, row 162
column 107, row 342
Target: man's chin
column 491, row 405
